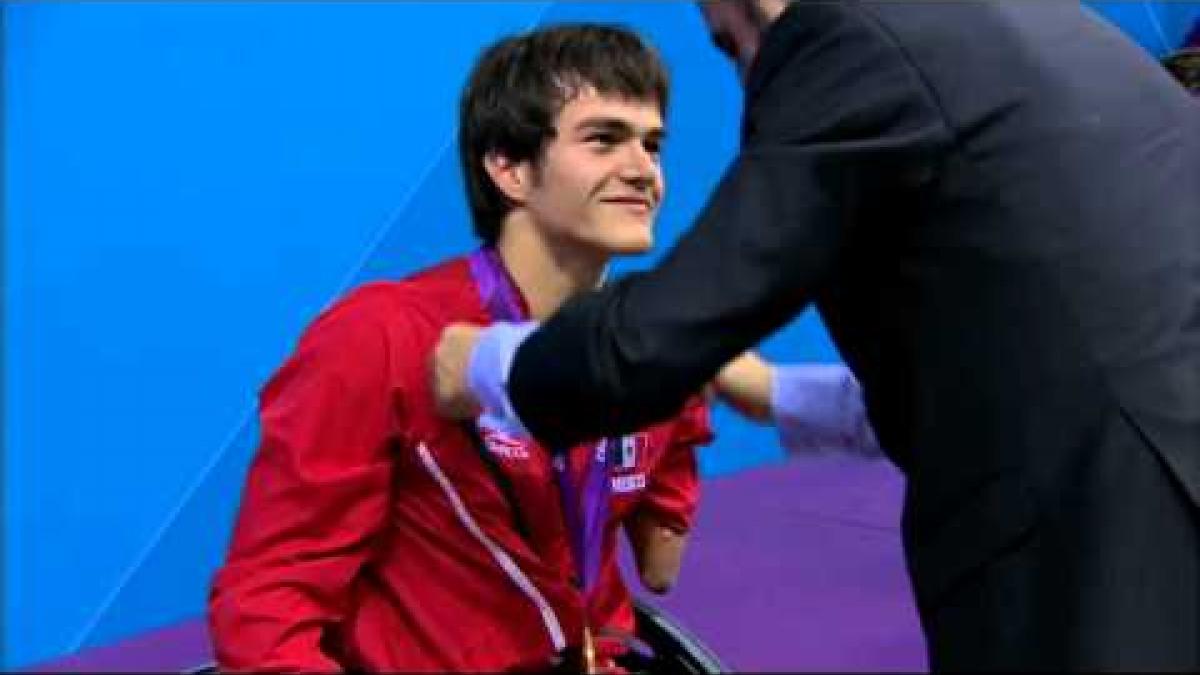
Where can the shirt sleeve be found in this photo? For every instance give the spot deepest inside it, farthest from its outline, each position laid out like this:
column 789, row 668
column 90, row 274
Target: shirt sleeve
column 316, row 494
column 673, row 486
column 487, row 373
column 818, row 408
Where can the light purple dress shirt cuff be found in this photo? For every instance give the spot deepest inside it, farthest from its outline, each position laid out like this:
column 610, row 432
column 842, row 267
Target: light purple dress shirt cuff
column 487, row 374
column 818, row 408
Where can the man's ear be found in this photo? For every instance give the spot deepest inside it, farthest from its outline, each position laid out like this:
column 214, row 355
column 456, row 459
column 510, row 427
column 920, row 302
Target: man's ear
column 512, row 178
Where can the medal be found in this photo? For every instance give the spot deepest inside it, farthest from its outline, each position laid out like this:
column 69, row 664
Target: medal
column 589, row 651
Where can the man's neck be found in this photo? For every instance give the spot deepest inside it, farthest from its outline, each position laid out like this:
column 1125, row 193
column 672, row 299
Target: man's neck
column 547, row 274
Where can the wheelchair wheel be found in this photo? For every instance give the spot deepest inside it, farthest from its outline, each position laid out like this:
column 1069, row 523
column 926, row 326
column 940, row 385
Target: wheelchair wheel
column 675, row 649
column 672, row 649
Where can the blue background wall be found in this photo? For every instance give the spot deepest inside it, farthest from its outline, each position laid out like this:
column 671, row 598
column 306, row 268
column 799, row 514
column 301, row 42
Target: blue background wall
column 186, row 186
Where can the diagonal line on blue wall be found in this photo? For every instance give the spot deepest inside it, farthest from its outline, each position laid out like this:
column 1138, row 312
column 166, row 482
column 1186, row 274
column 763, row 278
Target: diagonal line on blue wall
column 381, row 235
column 1148, row 7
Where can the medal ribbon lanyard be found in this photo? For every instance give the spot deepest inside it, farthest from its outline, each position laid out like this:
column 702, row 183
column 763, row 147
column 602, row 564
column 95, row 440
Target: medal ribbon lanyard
column 584, row 502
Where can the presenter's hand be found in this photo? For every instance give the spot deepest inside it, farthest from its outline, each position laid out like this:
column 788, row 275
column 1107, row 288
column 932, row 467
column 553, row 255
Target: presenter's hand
column 448, row 370
column 745, row 384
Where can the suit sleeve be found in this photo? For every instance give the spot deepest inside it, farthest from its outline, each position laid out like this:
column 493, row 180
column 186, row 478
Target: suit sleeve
column 317, row 492
column 843, row 122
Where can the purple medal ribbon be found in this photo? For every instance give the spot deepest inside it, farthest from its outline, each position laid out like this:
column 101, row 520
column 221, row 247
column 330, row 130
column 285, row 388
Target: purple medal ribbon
column 585, row 505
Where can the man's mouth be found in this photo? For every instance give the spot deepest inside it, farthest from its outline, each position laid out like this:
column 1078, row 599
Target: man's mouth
column 635, row 203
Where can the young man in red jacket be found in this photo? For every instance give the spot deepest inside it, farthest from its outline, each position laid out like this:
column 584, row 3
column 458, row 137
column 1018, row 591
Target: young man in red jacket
column 373, row 534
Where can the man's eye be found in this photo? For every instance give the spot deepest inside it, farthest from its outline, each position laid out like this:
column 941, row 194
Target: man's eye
column 602, row 139
column 653, row 147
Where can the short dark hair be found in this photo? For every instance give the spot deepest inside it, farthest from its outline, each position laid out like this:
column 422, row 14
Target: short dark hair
column 520, row 84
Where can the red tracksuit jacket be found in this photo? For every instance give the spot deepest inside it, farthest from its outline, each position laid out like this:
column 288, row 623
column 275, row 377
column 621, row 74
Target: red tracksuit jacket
column 371, row 535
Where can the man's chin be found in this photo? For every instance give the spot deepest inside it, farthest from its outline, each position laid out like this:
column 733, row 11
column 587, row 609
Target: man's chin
column 632, row 246
column 631, row 237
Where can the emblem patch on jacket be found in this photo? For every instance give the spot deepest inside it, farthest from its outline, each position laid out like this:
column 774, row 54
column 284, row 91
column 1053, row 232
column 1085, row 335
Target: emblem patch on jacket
column 632, row 446
column 504, row 446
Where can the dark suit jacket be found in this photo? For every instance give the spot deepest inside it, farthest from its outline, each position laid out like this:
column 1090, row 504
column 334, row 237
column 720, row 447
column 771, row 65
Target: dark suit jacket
column 995, row 207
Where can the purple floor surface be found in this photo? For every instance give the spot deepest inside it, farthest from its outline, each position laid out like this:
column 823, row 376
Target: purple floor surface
column 791, row 567
column 799, row 567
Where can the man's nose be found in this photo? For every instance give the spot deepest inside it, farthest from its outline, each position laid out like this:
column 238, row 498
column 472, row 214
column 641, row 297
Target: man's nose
column 640, row 167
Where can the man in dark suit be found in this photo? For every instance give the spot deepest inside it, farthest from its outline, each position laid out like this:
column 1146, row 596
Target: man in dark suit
column 995, row 206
